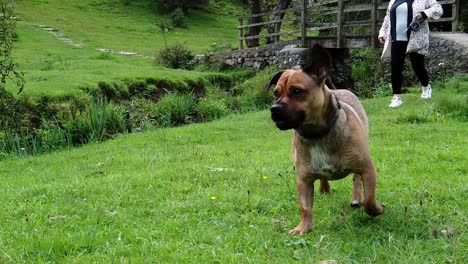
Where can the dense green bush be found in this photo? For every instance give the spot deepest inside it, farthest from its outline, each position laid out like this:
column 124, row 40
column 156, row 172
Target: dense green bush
column 175, row 109
column 178, row 18
column 251, row 94
column 142, row 114
column 104, row 120
column 176, row 56
column 99, row 121
column 77, row 128
column 209, row 109
column 371, row 74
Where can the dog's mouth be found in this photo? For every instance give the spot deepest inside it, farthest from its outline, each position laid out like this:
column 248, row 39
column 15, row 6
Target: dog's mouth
column 283, row 125
column 287, row 120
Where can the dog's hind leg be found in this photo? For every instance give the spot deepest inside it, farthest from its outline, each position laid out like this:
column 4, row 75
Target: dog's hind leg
column 357, row 190
column 324, row 187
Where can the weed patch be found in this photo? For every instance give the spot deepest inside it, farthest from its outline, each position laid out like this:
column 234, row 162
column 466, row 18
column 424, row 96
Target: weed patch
column 454, row 106
column 175, row 109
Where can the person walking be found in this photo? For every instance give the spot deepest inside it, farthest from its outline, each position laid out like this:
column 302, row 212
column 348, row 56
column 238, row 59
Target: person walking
column 405, row 32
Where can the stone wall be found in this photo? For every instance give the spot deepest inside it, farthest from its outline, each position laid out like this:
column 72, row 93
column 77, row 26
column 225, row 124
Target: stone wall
column 288, row 55
column 258, row 57
column 448, row 53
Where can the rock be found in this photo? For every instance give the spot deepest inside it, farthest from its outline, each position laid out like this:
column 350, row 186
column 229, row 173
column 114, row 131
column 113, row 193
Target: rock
column 126, row 53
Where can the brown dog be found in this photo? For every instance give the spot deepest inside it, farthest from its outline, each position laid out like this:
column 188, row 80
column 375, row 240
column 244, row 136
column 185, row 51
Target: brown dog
column 330, row 138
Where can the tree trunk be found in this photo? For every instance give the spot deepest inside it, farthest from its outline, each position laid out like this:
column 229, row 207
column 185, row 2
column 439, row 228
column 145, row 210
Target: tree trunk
column 276, row 27
column 255, row 8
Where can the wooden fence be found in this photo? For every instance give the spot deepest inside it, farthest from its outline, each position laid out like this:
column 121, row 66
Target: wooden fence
column 340, row 23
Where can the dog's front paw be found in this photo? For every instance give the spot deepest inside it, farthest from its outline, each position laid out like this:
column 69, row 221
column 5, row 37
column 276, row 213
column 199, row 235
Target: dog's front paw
column 300, row 230
column 356, row 204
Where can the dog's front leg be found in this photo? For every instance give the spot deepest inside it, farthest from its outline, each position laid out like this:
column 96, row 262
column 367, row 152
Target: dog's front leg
column 305, row 190
column 369, row 177
column 357, row 188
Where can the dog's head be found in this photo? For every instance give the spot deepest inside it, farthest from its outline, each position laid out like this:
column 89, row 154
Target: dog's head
column 302, row 96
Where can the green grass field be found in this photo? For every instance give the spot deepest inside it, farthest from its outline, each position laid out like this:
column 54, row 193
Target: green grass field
column 224, row 192
column 219, row 192
column 55, row 68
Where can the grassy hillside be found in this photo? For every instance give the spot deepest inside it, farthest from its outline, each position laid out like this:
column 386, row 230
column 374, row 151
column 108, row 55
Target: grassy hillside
column 53, row 67
column 112, row 24
column 225, row 192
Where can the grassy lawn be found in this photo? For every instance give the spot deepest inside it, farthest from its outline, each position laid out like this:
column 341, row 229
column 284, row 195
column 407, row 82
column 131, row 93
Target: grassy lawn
column 225, row 192
column 55, row 68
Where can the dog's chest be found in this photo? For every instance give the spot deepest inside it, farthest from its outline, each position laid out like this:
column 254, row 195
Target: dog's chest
column 323, row 165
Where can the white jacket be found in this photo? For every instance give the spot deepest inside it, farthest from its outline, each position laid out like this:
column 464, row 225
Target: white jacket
column 419, row 40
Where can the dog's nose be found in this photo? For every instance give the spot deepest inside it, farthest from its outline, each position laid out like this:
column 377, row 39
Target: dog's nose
column 276, row 108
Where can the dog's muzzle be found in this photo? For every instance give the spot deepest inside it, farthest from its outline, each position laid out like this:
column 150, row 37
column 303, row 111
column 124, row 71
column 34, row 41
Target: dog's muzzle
column 276, row 111
column 285, row 118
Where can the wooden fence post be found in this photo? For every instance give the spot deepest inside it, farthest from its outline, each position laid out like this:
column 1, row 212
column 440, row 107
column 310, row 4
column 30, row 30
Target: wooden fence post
column 241, row 33
column 339, row 25
column 455, row 10
column 304, row 23
column 374, row 34
column 277, row 29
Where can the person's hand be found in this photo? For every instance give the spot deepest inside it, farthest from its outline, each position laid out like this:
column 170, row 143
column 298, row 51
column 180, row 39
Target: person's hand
column 419, row 16
column 382, row 40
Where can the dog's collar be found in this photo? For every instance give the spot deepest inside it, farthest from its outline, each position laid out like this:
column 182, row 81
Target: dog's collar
column 318, row 131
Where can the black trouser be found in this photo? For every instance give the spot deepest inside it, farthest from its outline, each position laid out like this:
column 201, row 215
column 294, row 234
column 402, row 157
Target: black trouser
column 398, row 63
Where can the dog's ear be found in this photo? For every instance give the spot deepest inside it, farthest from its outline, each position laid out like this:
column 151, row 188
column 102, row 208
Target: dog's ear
column 273, row 80
column 320, row 63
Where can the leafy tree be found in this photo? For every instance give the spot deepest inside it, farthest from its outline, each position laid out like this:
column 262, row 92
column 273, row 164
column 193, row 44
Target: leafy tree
column 8, row 68
column 282, row 4
column 9, row 114
column 268, row 5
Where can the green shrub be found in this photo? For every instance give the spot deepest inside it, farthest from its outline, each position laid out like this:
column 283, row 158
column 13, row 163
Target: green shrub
column 50, row 137
column 371, row 75
column 175, row 109
column 178, row 18
column 23, row 143
column 77, row 128
column 8, row 109
column 251, row 95
column 176, row 56
column 169, row 5
column 209, row 109
column 136, row 87
column 107, row 90
column 142, row 113
column 369, row 72
column 382, row 88
column 104, row 120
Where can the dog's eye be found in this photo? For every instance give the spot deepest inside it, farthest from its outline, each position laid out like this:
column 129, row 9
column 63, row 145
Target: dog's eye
column 297, row 92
